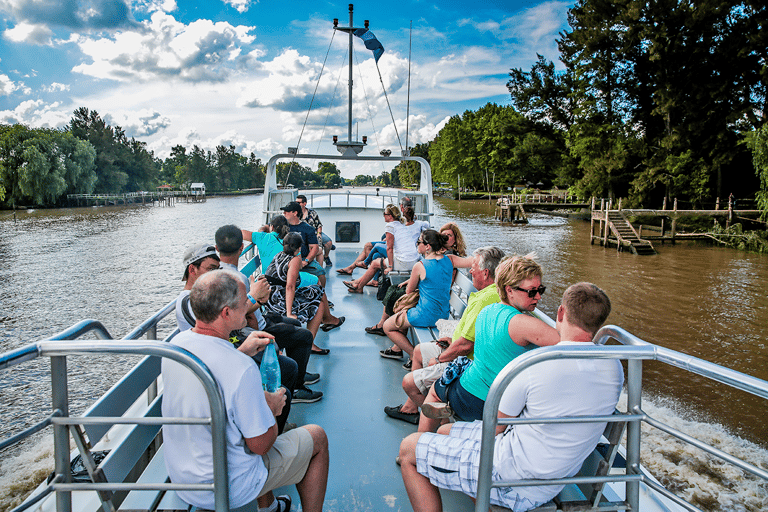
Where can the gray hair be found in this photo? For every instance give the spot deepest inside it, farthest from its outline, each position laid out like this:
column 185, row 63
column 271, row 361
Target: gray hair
column 489, row 258
column 213, row 292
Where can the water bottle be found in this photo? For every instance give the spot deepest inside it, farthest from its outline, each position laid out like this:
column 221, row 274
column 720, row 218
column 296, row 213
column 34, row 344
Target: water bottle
column 270, row 369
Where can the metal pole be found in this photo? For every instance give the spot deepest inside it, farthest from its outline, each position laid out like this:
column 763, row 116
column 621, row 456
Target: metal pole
column 349, row 119
column 634, row 388
column 59, row 401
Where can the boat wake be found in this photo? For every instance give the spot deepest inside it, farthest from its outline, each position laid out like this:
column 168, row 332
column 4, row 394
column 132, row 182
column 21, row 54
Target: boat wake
column 705, row 481
column 21, row 473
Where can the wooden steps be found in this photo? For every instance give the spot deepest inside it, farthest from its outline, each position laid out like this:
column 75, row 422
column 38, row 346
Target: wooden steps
column 619, row 231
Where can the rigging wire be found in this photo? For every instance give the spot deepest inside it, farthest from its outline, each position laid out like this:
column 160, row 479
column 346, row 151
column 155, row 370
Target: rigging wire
column 408, row 102
column 368, row 106
column 301, row 134
column 399, row 142
column 330, row 105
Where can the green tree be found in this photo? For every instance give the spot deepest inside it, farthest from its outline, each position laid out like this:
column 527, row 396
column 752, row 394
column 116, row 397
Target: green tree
column 757, row 141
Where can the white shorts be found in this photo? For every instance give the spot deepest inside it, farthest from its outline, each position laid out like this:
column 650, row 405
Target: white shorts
column 426, row 376
column 452, row 462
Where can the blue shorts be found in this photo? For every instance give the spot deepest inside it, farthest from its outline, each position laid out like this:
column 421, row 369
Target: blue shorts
column 465, row 405
column 324, row 239
column 313, row 268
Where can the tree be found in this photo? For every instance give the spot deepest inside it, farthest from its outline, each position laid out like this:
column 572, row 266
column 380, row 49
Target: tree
column 758, row 143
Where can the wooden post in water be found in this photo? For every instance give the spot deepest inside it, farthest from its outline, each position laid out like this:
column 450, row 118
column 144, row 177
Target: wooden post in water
column 674, row 223
column 663, row 220
column 605, row 229
column 717, row 203
column 592, row 222
column 619, row 204
column 730, row 212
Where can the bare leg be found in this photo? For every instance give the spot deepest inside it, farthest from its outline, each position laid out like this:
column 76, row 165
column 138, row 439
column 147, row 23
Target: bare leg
column 360, row 257
column 417, row 360
column 265, row 500
column 415, row 398
column 312, row 487
column 428, row 424
column 397, row 336
column 363, row 280
column 424, row 496
column 327, row 317
column 314, row 324
column 384, row 317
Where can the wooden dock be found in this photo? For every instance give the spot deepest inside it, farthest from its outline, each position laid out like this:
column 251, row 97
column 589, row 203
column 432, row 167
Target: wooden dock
column 160, row 198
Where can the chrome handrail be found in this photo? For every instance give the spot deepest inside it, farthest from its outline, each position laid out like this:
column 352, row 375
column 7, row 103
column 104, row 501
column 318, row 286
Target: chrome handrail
column 634, row 350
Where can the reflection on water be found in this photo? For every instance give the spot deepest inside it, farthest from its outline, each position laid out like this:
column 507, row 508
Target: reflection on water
column 121, row 264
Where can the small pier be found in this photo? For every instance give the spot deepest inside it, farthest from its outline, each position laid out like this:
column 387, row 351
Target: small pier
column 511, row 208
column 159, row 198
column 610, row 227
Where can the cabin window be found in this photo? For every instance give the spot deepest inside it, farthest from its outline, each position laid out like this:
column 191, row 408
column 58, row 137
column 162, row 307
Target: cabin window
column 348, row 232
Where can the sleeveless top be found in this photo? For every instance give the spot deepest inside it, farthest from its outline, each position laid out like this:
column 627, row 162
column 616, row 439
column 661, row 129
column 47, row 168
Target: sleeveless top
column 494, row 348
column 434, row 293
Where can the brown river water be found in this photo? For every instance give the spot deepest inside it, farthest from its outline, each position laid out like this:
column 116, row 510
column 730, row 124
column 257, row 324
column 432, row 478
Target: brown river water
column 120, row 264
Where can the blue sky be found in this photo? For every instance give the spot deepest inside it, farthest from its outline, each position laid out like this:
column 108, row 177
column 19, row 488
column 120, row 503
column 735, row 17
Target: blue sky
column 242, row 72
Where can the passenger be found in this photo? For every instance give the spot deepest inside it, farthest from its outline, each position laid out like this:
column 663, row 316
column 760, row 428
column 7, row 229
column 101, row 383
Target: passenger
column 401, row 249
column 309, row 247
column 288, row 333
column 197, row 260
column 308, row 304
column 503, row 333
column 431, row 359
column 313, row 219
column 373, row 250
column 455, row 243
column 269, row 239
column 432, row 278
column 258, row 460
column 555, row 388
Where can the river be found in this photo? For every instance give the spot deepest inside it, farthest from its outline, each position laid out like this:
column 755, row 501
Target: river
column 120, row 264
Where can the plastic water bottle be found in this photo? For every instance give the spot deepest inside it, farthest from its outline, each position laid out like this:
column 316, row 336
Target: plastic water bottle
column 270, row 369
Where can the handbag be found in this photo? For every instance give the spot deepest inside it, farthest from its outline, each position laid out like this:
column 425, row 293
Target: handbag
column 407, row 301
column 384, row 284
column 454, row 369
column 392, row 296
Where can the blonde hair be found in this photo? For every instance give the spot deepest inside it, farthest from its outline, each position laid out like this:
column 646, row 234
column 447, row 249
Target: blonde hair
column 513, row 270
column 459, row 246
column 394, row 211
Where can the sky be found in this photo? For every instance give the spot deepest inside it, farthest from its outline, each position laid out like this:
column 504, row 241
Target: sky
column 245, row 72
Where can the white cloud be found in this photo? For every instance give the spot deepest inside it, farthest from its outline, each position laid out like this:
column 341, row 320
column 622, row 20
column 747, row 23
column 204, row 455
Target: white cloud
column 29, row 33
column 7, row 86
column 37, row 113
column 166, row 48
column 138, row 123
column 56, row 87
column 240, row 5
column 419, row 129
column 81, row 15
column 155, row 5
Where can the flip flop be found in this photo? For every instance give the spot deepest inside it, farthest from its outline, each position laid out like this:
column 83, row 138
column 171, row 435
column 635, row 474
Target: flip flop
column 373, row 283
column 344, row 272
column 350, row 285
column 354, row 290
column 330, row 327
column 360, row 264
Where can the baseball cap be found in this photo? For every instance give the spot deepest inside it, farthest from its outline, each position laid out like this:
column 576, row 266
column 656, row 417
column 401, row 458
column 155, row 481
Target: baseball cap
column 293, row 206
column 196, row 253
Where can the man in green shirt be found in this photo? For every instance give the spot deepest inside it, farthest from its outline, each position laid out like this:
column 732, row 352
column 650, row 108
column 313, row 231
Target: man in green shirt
column 431, row 359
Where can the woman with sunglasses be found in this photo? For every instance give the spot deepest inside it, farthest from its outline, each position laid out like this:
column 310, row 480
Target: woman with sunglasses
column 373, row 250
column 455, row 244
column 432, row 277
column 503, row 331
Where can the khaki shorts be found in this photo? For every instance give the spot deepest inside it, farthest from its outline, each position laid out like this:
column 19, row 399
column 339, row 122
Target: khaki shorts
column 401, row 320
column 426, row 376
column 288, row 459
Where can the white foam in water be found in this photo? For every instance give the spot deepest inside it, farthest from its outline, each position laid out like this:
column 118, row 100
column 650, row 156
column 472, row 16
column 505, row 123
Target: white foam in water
column 704, row 480
column 22, row 473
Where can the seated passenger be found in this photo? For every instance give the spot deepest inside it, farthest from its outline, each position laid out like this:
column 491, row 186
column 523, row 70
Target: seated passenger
column 455, row 244
column 555, row 388
column 307, row 304
column 432, row 278
column 258, row 459
column 431, row 359
column 309, row 248
column 503, row 333
column 401, row 249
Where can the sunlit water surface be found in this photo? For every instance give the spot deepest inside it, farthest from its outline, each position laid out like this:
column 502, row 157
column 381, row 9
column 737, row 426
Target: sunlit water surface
column 121, row 264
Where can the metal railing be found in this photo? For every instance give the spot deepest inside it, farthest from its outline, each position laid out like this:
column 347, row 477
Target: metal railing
column 65, row 344
column 634, row 350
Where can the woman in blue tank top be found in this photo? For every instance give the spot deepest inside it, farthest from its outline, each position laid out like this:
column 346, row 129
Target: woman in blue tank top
column 432, row 278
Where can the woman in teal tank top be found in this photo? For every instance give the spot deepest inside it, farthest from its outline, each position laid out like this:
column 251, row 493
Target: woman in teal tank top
column 503, row 331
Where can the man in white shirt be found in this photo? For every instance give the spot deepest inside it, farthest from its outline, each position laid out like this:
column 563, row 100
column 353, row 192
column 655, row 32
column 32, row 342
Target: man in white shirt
column 562, row 387
column 258, row 459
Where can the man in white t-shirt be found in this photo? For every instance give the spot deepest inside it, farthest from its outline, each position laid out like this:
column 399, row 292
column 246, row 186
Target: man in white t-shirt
column 258, row 459
column 563, row 387
column 197, row 260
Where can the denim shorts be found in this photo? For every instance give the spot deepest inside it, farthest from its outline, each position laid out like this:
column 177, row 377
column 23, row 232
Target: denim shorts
column 465, row 405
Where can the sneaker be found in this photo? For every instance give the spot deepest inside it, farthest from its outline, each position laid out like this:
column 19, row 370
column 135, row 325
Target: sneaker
column 306, row 396
column 408, row 365
column 391, row 354
column 311, row 378
column 283, row 503
column 395, row 412
column 328, row 262
column 436, row 410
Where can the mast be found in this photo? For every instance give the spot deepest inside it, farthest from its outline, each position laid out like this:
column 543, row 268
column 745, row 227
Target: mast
column 350, row 147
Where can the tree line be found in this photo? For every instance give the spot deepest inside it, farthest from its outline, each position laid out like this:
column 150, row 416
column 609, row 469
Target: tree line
column 661, row 98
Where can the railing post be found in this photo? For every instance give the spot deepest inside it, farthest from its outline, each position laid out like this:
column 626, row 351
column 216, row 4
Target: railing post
column 60, row 401
column 152, row 389
column 634, row 392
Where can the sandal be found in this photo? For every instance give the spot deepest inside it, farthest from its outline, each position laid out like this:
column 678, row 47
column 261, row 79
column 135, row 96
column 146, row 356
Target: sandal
column 344, row 272
column 391, row 354
column 373, row 283
column 330, row 327
column 379, row 331
column 360, row 264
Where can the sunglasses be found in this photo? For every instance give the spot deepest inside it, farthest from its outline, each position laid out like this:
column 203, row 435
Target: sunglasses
column 422, row 242
column 533, row 291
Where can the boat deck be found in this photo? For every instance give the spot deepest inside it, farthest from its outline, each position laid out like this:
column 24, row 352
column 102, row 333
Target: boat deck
column 357, row 383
